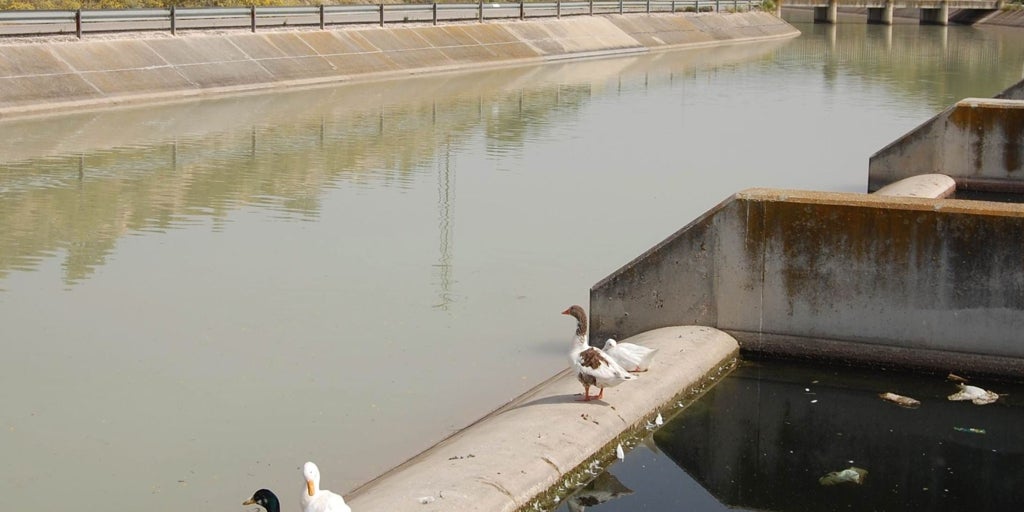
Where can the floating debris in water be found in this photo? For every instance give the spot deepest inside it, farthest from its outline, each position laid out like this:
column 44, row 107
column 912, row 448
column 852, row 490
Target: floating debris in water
column 619, row 454
column 852, row 474
column 970, row 430
column 602, row 489
column 426, row 500
column 976, row 395
column 956, row 378
column 658, row 420
column 900, row 400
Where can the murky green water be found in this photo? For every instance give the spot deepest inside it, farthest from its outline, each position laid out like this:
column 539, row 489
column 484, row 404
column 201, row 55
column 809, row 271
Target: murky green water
column 197, row 298
column 768, row 436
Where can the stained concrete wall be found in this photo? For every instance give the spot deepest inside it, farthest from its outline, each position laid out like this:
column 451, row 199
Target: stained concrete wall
column 48, row 76
column 934, row 284
column 979, row 142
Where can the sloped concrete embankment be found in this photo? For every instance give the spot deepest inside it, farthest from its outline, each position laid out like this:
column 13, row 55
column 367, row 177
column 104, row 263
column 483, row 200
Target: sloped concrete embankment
column 43, row 77
column 505, row 461
column 931, row 284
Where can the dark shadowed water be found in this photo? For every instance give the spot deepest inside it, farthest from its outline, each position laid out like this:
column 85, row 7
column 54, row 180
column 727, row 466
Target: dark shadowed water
column 197, row 298
column 767, row 437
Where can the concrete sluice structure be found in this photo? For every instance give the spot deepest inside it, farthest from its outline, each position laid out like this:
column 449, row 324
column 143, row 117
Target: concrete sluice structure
column 901, row 278
column 979, row 142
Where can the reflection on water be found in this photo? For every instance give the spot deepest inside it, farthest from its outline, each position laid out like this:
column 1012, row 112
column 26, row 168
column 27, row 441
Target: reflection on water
column 768, row 435
column 232, row 287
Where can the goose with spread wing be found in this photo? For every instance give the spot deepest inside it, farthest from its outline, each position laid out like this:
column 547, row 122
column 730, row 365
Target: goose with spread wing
column 592, row 365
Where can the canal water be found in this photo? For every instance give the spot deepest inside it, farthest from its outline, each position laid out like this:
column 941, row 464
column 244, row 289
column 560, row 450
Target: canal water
column 197, row 298
column 786, row 436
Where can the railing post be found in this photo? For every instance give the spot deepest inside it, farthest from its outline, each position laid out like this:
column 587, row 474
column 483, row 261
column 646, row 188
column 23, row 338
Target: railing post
column 735, row 7
column 558, row 9
column 673, row 6
column 174, row 22
column 620, row 6
column 522, row 9
column 252, row 17
column 648, row 6
column 381, row 8
column 591, row 7
column 480, row 13
column 78, row 23
column 718, row 7
column 322, row 24
column 435, row 13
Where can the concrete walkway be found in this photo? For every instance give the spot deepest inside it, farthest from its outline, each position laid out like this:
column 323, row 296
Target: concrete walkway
column 518, row 452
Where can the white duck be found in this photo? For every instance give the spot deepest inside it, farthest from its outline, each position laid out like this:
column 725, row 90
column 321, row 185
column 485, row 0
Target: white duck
column 593, row 367
column 633, row 357
column 316, row 499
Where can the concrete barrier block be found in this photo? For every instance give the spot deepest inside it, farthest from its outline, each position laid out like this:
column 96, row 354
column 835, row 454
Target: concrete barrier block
column 352, row 41
column 392, row 40
column 445, row 36
column 108, row 55
column 27, row 90
column 489, row 33
column 197, row 50
column 225, row 74
column 27, row 60
column 418, row 58
column 356, row 64
column 139, row 81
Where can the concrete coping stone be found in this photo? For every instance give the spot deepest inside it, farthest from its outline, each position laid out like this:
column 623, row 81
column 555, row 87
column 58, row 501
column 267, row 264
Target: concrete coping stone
column 990, row 103
column 876, row 201
column 547, row 436
column 923, row 185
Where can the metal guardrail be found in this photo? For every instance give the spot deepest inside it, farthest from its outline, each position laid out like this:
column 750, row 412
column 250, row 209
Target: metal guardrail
column 82, row 21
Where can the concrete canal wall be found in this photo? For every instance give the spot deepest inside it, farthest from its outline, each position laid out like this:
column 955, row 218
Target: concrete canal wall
column 979, row 142
column 60, row 76
column 932, row 284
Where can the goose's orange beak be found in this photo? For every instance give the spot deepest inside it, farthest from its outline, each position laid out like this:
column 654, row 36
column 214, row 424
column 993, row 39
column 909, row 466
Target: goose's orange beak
column 309, row 487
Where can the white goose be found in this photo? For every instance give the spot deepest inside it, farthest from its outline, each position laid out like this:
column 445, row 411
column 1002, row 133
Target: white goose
column 316, row 499
column 593, row 367
column 633, row 357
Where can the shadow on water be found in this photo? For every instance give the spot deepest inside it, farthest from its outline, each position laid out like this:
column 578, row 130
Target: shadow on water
column 764, row 437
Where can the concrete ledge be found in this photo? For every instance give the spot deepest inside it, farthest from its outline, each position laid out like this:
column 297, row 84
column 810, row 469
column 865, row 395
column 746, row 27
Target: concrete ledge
column 935, row 186
column 518, row 452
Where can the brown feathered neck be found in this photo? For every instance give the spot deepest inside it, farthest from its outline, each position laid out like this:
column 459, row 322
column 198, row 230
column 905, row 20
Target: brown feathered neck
column 581, row 319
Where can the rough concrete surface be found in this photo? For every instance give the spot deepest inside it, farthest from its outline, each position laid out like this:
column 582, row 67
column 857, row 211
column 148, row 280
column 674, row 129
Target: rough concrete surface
column 519, row 451
column 38, row 77
column 900, row 281
column 935, row 186
column 976, row 141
